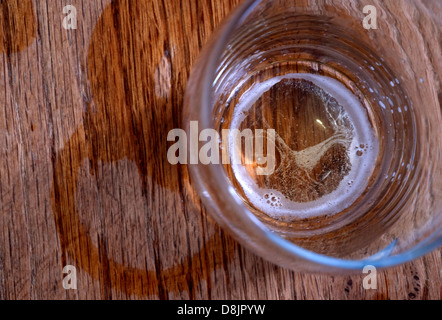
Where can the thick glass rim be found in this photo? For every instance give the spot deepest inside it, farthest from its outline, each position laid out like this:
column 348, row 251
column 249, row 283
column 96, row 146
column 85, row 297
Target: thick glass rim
column 255, row 228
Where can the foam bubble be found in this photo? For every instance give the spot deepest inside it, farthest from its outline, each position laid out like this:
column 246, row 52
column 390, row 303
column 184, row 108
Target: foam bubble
column 273, row 202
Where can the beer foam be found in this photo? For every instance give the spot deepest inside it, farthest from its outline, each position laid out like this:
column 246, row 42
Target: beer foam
column 361, row 144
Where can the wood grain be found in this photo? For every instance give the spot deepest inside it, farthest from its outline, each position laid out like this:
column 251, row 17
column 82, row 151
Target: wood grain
column 84, row 178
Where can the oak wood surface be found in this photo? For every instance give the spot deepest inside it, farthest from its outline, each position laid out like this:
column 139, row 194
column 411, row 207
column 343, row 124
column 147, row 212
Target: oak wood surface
column 84, row 177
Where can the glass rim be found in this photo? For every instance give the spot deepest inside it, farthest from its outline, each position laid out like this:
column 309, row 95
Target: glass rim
column 245, row 217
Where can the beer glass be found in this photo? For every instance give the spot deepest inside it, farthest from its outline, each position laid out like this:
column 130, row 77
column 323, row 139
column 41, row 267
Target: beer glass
column 348, row 96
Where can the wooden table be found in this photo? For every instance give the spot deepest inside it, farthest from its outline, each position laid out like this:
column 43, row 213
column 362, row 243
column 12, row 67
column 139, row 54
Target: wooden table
column 84, row 177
